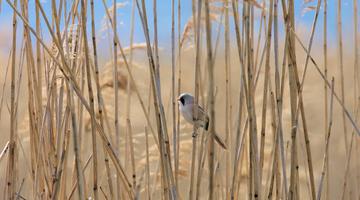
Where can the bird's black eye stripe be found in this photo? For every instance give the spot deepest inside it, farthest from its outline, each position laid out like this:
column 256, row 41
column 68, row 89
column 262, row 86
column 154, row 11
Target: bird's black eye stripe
column 182, row 100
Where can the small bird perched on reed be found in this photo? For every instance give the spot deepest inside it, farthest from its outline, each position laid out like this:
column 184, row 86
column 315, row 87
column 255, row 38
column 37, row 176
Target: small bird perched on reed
column 186, row 107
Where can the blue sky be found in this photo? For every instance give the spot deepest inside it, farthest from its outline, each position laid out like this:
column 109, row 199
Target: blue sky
column 164, row 18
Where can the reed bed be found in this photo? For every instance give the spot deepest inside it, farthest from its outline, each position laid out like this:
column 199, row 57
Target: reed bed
column 86, row 119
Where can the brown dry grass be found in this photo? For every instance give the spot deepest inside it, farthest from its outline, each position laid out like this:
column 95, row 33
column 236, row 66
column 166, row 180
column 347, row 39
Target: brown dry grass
column 53, row 130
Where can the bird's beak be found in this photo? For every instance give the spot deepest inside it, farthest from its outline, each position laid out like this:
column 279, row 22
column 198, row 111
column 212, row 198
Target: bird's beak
column 178, row 99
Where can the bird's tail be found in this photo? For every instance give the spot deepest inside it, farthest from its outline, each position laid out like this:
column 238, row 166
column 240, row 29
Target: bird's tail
column 220, row 141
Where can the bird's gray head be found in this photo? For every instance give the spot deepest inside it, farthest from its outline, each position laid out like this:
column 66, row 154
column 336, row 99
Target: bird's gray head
column 185, row 98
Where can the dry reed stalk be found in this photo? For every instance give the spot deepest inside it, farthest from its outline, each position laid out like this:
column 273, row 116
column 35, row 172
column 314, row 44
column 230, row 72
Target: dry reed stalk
column 157, row 65
column 173, row 98
column 64, row 179
column 241, row 155
column 341, row 69
column 300, row 88
column 61, row 168
column 254, row 171
column 147, row 188
column 11, row 165
column 274, row 167
column 100, row 102
column 327, row 177
column 243, row 79
column 59, row 123
column 228, row 136
column 70, row 79
column 131, row 76
column 347, row 168
column 168, row 178
column 327, row 143
column 129, row 91
column 300, row 103
column 91, row 99
column 54, row 111
column 356, row 52
column 211, row 101
column 78, row 165
column 266, row 86
column 112, row 156
column 33, row 104
column 39, row 66
column 280, row 91
column 279, row 85
column 340, row 102
column 73, row 188
column 132, row 155
column 356, row 65
column 200, row 166
column 218, row 33
column 196, row 21
column 40, row 169
column 336, row 96
column 263, row 16
column 156, row 42
column 292, row 67
column 238, row 144
column 116, row 91
column 131, row 48
column 177, row 144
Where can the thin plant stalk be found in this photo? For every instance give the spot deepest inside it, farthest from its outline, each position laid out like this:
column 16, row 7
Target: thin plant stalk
column 196, row 21
column 211, row 101
column 347, row 170
column 254, row 171
column 64, row 68
column 336, row 96
column 116, row 89
column 356, row 61
column 73, row 188
column 292, row 67
column 266, row 83
column 177, row 144
column 91, row 100
column 78, row 165
column 327, row 177
column 341, row 69
column 132, row 80
column 101, row 106
column 132, row 155
column 327, row 144
column 11, row 170
column 173, row 98
column 147, row 188
column 168, row 178
column 307, row 142
column 279, row 83
column 228, row 137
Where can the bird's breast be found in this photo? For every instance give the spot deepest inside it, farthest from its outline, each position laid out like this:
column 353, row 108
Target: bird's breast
column 187, row 113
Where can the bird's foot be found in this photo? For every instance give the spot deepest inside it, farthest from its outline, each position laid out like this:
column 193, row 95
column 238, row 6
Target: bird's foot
column 194, row 134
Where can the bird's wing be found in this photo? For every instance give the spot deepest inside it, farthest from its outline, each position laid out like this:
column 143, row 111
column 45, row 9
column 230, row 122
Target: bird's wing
column 202, row 115
column 202, row 118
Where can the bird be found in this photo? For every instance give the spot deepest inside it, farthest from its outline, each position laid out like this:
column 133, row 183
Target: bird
column 186, row 106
